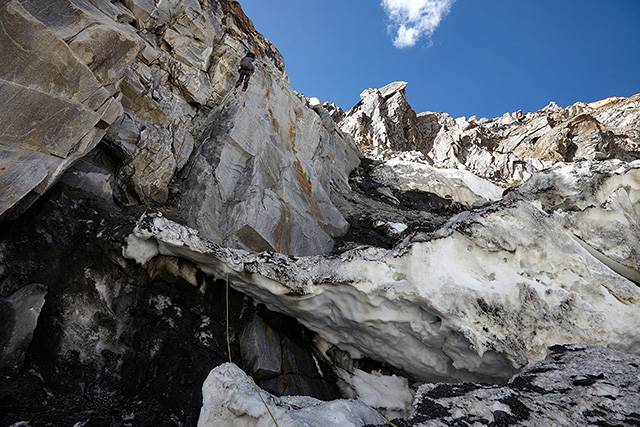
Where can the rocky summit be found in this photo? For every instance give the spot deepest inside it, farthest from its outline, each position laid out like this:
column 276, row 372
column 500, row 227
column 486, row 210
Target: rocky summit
column 177, row 251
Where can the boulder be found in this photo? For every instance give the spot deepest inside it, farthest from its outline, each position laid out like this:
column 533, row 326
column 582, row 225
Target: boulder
column 260, row 347
column 19, row 314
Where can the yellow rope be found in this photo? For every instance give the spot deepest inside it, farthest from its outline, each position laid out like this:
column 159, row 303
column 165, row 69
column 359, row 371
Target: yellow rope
column 226, row 264
column 390, row 424
column 263, row 402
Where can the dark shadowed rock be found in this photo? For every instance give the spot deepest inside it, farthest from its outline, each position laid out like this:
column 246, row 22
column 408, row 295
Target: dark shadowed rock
column 296, row 360
column 260, row 347
column 18, row 319
column 300, row 385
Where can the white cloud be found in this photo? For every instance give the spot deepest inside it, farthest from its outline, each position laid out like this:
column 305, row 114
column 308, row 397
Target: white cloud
column 412, row 20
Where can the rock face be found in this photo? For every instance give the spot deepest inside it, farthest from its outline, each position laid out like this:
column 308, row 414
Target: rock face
column 153, row 85
column 506, row 149
column 574, row 386
column 114, row 107
column 384, row 120
column 50, row 119
column 260, row 346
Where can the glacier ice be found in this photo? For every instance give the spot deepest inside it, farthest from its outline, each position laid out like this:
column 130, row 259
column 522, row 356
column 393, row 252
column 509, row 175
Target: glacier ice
column 480, row 299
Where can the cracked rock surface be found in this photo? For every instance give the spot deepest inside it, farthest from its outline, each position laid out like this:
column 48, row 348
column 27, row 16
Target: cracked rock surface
column 576, row 385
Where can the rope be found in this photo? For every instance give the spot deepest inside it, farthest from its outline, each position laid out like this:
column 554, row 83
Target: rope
column 263, row 402
column 226, row 264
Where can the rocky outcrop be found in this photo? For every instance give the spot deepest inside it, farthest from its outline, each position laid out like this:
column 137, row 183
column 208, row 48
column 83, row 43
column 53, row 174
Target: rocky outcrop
column 151, row 86
column 51, row 119
column 383, row 120
column 574, row 386
column 506, row 149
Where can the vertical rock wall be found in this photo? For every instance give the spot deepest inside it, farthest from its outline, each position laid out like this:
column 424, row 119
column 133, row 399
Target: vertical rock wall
column 150, row 85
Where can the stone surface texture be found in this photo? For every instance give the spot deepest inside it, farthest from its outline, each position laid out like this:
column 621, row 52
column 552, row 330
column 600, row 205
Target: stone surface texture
column 260, row 347
column 151, row 85
column 19, row 313
column 576, row 385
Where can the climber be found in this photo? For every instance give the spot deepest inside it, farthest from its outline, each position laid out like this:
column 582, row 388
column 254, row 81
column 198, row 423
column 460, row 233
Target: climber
column 247, row 67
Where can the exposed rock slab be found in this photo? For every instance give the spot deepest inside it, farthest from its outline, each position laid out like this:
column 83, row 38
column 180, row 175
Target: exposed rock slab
column 261, row 352
column 51, row 118
column 19, row 314
column 153, row 82
column 574, row 386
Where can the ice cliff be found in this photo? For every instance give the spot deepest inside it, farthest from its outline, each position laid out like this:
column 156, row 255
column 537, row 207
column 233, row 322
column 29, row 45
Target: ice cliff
column 478, row 299
column 367, row 252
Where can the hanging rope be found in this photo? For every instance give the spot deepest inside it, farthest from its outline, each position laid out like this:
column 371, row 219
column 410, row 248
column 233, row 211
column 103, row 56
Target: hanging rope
column 226, row 264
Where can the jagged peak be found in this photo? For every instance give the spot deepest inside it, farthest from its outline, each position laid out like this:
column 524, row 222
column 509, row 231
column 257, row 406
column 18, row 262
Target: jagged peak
column 552, row 108
column 385, row 91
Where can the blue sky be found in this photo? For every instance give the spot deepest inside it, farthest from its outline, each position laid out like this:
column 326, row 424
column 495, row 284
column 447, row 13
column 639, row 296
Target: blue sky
column 474, row 57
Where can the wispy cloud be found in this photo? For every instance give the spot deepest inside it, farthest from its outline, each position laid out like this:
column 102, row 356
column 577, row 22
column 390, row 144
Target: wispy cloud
column 412, row 20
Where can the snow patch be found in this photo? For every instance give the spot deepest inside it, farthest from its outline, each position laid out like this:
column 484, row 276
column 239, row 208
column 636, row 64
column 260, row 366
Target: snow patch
column 314, row 102
column 231, row 398
column 480, row 302
column 390, row 395
column 139, row 249
column 408, row 172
